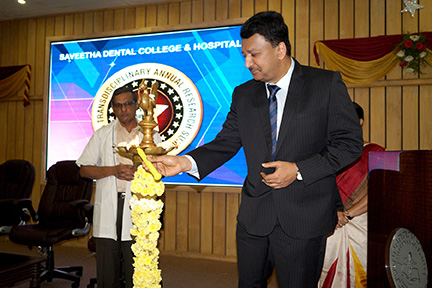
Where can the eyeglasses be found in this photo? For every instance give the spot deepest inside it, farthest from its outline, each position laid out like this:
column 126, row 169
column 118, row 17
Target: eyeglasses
column 125, row 104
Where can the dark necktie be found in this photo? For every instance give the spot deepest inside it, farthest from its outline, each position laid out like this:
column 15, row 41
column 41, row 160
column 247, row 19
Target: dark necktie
column 273, row 89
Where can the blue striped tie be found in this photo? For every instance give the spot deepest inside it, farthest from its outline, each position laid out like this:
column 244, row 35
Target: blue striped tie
column 273, row 89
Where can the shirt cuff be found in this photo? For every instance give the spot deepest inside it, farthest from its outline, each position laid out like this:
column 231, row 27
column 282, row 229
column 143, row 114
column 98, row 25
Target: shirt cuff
column 194, row 170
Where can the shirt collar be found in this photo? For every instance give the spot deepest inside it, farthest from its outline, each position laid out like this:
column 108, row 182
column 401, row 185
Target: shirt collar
column 119, row 127
column 284, row 82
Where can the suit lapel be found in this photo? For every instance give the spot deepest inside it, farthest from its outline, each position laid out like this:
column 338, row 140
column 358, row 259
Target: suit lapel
column 294, row 96
column 261, row 102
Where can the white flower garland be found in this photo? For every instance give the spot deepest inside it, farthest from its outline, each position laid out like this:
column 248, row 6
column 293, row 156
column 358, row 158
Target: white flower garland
column 145, row 211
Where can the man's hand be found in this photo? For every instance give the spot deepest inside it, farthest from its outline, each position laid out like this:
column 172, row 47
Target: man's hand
column 284, row 175
column 124, row 172
column 169, row 165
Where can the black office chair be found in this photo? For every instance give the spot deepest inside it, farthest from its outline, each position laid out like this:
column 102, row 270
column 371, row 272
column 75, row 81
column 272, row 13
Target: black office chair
column 16, row 184
column 62, row 216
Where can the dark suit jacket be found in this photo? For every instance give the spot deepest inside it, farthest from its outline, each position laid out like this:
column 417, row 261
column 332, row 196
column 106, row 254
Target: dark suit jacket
column 320, row 132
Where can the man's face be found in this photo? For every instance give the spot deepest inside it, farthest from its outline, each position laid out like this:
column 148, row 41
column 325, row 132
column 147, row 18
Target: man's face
column 261, row 58
column 123, row 108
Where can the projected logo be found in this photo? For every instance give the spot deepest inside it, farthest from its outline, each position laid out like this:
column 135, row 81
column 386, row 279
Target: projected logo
column 179, row 106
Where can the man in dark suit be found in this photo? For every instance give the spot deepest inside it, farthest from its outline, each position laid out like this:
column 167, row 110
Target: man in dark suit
column 310, row 134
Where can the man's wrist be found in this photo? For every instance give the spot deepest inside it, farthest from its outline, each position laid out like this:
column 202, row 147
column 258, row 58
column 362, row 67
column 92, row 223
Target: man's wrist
column 189, row 164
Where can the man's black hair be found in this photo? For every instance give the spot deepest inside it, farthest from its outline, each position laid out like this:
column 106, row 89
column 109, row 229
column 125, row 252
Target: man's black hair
column 123, row 89
column 269, row 24
column 359, row 110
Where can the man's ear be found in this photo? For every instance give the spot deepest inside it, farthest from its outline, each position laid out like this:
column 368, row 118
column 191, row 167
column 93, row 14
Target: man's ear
column 281, row 50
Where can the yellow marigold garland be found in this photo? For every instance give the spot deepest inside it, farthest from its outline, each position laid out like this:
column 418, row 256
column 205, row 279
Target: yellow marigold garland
column 145, row 211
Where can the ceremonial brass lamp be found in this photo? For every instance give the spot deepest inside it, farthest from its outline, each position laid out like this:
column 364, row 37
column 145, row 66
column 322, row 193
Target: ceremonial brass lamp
column 147, row 103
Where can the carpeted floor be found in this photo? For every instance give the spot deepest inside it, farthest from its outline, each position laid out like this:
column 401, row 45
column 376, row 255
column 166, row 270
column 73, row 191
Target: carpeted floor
column 177, row 272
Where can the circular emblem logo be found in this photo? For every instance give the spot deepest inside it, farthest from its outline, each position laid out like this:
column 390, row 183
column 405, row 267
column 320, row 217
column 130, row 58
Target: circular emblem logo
column 406, row 262
column 178, row 109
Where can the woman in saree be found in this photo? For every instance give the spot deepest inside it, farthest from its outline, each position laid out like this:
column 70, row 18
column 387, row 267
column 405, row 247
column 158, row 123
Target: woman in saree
column 345, row 263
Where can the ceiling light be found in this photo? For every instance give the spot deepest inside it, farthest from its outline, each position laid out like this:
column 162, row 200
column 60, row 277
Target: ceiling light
column 22, row 1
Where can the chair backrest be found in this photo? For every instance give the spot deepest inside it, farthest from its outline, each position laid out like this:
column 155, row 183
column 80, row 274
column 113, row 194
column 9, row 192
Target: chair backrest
column 64, row 185
column 16, row 179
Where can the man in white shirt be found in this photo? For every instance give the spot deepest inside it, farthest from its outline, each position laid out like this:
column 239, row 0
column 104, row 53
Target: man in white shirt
column 113, row 173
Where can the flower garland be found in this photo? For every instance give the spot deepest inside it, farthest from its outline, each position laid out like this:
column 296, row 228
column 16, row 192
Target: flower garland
column 145, row 212
column 412, row 52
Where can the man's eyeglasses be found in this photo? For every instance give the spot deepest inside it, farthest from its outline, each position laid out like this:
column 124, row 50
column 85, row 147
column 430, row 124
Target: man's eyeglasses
column 126, row 104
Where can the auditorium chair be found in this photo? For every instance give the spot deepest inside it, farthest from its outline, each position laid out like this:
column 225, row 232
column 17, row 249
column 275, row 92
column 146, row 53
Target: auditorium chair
column 16, row 184
column 62, row 216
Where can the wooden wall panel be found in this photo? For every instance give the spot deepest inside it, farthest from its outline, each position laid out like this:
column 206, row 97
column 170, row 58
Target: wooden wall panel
column 232, row 207
column 3, row 131
column 57, row 25
column 361, row 97
column 88, row 22
column 425, row 101
column 173, row 13
column 219, row 223
column 5, row 41
column 331, row 23
column 2, row 38
column 377, row 118
column 393, row 114
column 130, row 18
column 98, row 21
column 119, row 21
column 151, row 16
column 29, row 134
column 72, row 25
column 247, row 8
column 410, row 118
column 20, row 128
column 209, row 13
column 13, row 55
column 361, row 18
column 346, row 23
column 206, row 223
column 108, row 20
column 316, row 27
column 194, row 222
column 170, row 220
column 234, row 9
column 288, row 12
column 274, row 5
column 198, row 11
column 301, row 42
column 260, row 6
column 398, row 108
column 140, row 18
column 410, row 114
column 393, row 94
column 185, row 12
column 182, row 221
column 425, row 119
column 11, row 129
column 222, row 10
column 377, row 94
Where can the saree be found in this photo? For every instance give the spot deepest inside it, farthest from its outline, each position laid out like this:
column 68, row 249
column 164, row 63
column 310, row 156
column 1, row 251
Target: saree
column 345, row 262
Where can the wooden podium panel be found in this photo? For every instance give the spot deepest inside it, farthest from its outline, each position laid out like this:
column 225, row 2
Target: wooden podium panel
column 400, row 196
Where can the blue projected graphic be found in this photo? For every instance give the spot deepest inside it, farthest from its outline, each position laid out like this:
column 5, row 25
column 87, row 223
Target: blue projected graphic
column 211, row 58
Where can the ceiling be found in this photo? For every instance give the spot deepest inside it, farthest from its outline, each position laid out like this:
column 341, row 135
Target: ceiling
column 11, row 9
